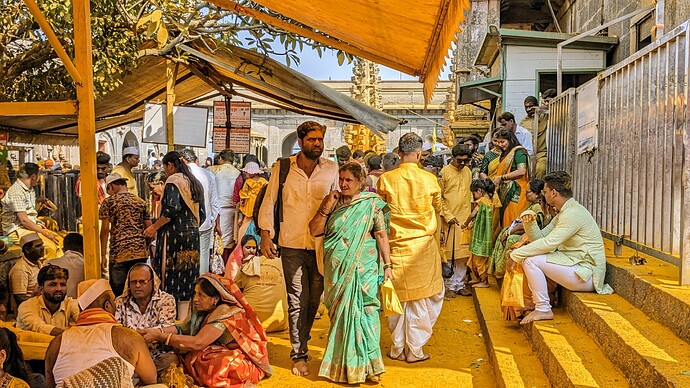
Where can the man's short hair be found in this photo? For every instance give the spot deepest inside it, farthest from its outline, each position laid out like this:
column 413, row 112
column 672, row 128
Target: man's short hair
column 73, row 242
column 507, row 116
column 27, row 169
column 227, row 155
column 51, row 272
column 409, row 143
column 374, row 162
column 549, row 93
column 390, row 160
column 531, row 99
column 309, row 126
column 102, row 158
column 358, row 154
column 461, row 150
column 189, row 155
column 560, row 181
column 474, row 139
column 343, row 153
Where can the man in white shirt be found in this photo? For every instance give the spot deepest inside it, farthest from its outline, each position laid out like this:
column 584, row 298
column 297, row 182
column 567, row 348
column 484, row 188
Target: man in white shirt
column 309, row 180
column 507, row 120
column 211, row 204
column 72, row 261
column 226, row 174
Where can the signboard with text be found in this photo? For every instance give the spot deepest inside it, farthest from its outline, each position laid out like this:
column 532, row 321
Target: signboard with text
column 240, row 126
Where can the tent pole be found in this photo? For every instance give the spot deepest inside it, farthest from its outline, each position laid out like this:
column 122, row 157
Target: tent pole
column 170, row 103
column 87, row 135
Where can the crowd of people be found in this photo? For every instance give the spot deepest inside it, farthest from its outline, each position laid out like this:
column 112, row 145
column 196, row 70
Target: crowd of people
column 218, row 256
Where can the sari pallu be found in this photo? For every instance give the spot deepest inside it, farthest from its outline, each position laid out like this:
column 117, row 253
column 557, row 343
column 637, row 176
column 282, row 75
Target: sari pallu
column 240, row 356
column 351, row 277
column 512, row 193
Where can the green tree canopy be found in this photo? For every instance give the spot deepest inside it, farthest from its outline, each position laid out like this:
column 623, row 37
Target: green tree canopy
column 124, row 31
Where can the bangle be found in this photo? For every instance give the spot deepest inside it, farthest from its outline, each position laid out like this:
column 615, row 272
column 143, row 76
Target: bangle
column 161, row 329
column 325, row 215
column 388, row 265
column 167, row 341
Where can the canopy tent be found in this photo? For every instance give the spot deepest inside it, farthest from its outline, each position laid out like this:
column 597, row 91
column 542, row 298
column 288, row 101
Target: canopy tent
column 205, row 72
column 412, row 36
column 480, row 90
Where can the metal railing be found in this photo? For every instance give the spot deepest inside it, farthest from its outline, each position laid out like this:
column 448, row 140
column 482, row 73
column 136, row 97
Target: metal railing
column 636, row 183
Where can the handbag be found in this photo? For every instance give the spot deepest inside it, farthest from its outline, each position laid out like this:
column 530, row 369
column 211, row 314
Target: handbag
column 447, row 268
column 391, row 302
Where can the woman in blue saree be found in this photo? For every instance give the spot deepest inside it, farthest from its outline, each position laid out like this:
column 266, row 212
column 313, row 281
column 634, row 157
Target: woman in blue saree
column 353, row 224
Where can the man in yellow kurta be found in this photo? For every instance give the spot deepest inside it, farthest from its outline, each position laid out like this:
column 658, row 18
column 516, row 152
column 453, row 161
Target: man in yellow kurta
column 414, row 197
column 457, row 205
column 130, row 160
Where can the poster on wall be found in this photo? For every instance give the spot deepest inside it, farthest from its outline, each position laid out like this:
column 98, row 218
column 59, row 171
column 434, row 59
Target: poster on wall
column 190, row 125
column 588, row 117
column 240, row 126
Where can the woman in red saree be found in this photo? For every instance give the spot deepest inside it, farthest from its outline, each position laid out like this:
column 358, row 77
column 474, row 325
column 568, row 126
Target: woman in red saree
column 222, row 341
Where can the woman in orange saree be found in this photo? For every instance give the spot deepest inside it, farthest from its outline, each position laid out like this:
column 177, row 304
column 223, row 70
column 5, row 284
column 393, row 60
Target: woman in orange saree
column 224, row 341
column 512, row 177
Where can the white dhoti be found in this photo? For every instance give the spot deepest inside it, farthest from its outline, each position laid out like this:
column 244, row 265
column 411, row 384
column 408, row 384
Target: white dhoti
column 227, row 225
column 414, row 327
column 457, row 281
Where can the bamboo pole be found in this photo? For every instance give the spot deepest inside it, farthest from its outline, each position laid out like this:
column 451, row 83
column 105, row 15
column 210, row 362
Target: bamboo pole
column 170, row 103
column 87, row 134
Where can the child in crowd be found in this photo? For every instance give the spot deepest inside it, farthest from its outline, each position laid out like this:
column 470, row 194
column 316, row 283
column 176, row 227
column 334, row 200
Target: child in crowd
column 250, row 190
column 481, row 243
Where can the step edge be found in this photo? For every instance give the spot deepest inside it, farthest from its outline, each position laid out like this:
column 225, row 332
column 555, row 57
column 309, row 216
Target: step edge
column 634, row 373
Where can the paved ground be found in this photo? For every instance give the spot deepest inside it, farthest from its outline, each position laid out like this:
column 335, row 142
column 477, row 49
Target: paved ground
column 458, row 355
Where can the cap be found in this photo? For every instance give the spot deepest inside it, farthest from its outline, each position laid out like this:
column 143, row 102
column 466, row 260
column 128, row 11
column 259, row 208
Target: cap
column 90, row 290
column 252, row 168
column 114, row 178
column 27, row 238
column 131, row 151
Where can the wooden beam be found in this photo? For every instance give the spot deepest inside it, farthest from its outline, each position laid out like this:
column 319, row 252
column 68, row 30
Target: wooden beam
column 39, row 108
column 170, row 103
column 307, row 33
column 52, row 38
column 86, row 120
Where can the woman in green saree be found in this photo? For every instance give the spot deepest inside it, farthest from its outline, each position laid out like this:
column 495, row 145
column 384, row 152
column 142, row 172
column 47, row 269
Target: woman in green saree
column 353, row 223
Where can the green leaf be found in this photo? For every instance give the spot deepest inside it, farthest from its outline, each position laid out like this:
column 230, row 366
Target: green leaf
column 341, row 58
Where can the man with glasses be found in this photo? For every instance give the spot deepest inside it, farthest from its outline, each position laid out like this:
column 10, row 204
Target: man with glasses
column 144, row 305
column 457, row 204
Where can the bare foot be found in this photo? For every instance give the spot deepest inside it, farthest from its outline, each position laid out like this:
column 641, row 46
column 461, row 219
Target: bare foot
column 400, row 357
column 471, row 282
column 412, row 358
column 464, row 292
column 374, row 379
column 299, row 368
column 537, row 316
column 448, row 295
column 484, row 284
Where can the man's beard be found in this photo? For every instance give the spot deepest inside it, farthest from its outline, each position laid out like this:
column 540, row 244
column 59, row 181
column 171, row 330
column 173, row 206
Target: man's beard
column 50, row 298
column 312, row 154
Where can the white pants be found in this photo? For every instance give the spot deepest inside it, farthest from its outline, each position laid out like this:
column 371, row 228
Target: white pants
column 457, row 281
column 537, row 270
column 415, row 326
column 205, row 238
column 227, row 224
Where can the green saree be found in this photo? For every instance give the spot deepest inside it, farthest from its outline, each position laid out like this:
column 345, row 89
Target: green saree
column 351, row 277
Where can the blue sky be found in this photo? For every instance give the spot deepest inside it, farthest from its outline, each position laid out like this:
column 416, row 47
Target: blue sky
column 327, row 68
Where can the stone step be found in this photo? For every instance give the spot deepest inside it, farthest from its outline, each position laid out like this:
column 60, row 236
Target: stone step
column 570, row 358
column 648, row 353
column 515, row 364
column 652, row 288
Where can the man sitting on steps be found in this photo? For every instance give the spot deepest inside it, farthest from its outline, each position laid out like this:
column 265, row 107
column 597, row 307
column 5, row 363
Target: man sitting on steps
column 570, row 250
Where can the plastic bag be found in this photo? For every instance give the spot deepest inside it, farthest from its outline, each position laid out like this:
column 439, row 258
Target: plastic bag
column 512, row 294
column 391, row 303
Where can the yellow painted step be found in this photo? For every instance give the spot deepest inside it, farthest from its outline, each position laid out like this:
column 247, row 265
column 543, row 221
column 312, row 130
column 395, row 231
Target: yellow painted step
column 569, row 356
column 647, row 352
column 515, row 364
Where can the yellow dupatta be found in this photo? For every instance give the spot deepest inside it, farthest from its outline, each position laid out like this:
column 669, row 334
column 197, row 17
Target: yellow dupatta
column 182, row 184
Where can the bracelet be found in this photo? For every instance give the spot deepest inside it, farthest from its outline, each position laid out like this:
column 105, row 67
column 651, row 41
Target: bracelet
column 167, row 341
column 161, row 329
column 389, row 265
column 323, row 214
